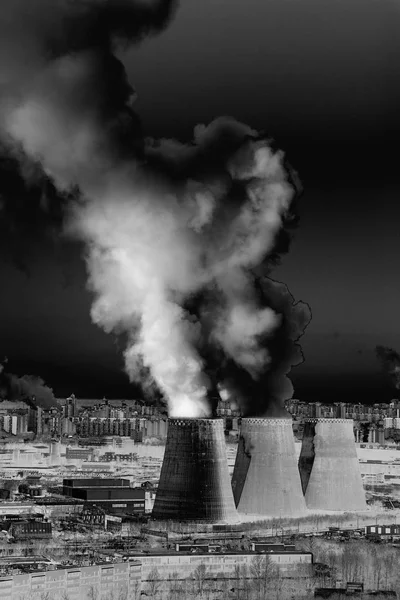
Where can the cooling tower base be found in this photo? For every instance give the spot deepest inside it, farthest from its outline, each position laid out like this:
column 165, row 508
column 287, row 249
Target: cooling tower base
column 329, row 467
column 194, row 483
column 266, row 479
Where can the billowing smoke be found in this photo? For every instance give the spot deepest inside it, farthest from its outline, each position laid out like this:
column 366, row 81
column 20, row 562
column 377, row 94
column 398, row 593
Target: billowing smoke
column 28, row 388
column 390, row 362
column 180, row 238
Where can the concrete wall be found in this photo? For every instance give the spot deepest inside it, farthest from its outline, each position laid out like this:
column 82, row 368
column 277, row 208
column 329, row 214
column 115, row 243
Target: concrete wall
column 266, row 479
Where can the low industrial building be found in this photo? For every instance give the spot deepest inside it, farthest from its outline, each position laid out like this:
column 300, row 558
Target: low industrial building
column 113, row 495
column 125, row 579
column 185, row 563
column 384, row 531
column 27, row 528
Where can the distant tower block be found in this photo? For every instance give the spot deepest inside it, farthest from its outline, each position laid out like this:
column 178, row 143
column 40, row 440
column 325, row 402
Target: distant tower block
column 194, row 483
column 329, row 467
column 266, row 478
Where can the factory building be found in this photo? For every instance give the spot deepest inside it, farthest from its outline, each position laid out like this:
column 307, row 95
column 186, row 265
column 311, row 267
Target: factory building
column 194, row 482
column 113, row 495
column 28, row 529
column 78, row 453
column 266, row 480
column 329, row 468
column 183, row 564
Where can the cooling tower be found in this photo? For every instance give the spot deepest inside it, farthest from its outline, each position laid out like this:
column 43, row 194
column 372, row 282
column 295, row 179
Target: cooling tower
column 194, row 482
column 266, row 478
column 55, row 448
column 329, row 468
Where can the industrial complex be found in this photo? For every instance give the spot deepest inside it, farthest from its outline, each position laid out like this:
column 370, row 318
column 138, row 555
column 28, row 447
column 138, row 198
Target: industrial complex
column 82, row 520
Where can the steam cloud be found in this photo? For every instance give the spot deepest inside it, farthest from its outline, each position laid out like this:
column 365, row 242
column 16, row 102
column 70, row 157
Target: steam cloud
column 180, row 238
column 390, row 361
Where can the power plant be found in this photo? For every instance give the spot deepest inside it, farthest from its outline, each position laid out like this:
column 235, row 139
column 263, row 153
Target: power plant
column 329, row 467
column 194, row 482
column 266, row 478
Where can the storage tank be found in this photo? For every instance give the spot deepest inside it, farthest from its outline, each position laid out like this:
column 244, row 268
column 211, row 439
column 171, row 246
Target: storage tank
column 55, row 452
column 266, row 479
column 194, row 483
column 329, row 467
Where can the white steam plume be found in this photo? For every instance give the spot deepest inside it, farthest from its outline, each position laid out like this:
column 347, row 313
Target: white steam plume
column 150, row 248
column 152, row 240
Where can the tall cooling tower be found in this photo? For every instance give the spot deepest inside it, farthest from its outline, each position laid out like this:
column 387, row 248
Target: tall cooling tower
column 266, row 478
column 329, row 467
column 194, row 483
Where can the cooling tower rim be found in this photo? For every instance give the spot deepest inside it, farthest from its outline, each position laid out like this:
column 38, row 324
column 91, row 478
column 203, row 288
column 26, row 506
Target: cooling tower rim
column 265, row 420
column 327, row 420
column 188, row 422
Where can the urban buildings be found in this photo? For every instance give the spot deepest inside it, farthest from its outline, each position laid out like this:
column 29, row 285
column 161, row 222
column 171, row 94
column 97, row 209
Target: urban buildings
column 97, row 581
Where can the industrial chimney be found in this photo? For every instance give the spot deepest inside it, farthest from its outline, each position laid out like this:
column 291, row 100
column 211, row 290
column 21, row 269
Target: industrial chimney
column 266, row 479
column 329, row 467
column 194, row 483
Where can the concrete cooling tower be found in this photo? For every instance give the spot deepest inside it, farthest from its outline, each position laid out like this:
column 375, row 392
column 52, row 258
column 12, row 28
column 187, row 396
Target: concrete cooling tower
column 329, row 467
column 194, row 483
column 266, row 478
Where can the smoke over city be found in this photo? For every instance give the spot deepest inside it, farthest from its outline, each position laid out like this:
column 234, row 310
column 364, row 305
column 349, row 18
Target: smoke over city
column 28, row 388
column 179, row 238
column 390, row 362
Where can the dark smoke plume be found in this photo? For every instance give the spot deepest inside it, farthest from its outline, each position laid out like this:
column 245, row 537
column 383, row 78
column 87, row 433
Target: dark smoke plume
column 180, row 238
column 390, row 362
column 28, row 388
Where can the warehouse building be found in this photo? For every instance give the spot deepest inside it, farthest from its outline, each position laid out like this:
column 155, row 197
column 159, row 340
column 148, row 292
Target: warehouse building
column 113, row 495
column 28, row 529
column 184, row 564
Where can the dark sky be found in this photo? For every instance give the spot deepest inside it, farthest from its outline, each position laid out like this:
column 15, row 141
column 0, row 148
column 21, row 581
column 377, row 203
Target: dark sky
column 323, row 79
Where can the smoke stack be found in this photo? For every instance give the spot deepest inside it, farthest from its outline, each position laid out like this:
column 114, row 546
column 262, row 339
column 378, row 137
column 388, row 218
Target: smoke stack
column 329, row 467
column 266, row 479
column 194, row 483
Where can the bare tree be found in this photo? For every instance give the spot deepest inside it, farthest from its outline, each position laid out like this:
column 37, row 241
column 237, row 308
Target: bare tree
column 134, row 592
column 199, row 575
column 223, row 579
column 236, row 586
column 93, row 593
column 153, row 583
column 176, row 589
column 389, row 562
column 246, row 587
column 377, row 569
column 277, row 587
column 262, row 571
